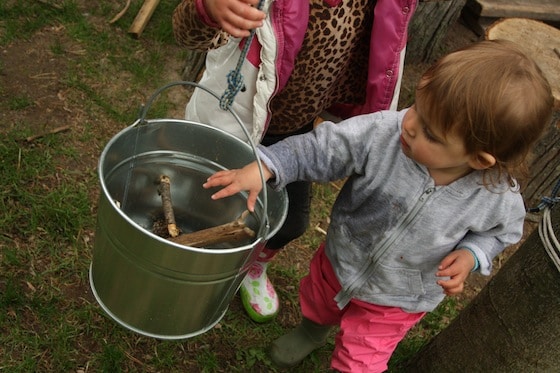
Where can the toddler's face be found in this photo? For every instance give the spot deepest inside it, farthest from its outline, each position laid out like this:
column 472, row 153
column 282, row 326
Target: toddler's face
column 444, row 156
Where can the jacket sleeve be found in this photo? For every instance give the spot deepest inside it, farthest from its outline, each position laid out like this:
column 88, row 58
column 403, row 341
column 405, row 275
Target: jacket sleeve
column 508, row 231
column 194, row 29
column 331, row 152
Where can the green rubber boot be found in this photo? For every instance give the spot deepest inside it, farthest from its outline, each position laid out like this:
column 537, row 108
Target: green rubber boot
column 290, row 349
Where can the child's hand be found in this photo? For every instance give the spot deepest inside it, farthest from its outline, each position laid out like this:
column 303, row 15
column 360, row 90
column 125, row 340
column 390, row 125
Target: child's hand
column 248, row 178
column 457, row 266
column 236, row 17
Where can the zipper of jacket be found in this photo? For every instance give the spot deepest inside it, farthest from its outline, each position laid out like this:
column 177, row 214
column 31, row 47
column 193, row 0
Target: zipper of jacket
column 345, row 295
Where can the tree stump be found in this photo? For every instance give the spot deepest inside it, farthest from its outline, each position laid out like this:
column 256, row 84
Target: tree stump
column 194, row 66
column 545, row 166
column 429, row 26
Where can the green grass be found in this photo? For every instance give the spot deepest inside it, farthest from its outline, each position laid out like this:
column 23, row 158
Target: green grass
column 49, row 320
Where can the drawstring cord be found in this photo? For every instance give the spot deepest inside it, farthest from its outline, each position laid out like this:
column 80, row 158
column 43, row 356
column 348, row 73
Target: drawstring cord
column 234, row 77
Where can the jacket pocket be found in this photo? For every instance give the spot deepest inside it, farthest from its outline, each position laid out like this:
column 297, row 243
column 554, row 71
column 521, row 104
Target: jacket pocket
column 397, row 281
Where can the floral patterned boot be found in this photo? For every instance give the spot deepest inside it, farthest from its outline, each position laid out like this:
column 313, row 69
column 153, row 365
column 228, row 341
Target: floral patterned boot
column 257, row 293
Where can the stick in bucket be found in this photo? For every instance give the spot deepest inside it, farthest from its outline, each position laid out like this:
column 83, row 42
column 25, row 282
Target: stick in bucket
column 233, row 232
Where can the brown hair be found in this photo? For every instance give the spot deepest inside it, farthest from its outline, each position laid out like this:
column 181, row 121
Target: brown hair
column 494, row 97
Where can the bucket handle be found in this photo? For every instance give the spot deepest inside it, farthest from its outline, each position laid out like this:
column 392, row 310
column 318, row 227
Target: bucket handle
column 265, row 225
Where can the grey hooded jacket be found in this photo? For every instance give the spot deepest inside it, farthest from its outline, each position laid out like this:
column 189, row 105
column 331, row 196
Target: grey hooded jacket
column 390, row 225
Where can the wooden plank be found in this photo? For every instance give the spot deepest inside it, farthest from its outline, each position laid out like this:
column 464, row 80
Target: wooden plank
column 540, row 41
column 546, row 10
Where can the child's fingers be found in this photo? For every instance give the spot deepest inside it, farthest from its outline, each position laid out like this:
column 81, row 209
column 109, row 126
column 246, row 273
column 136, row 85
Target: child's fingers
column 239, row 18
column 451, row 286
column 252, row 200
column 230, row 190
column 220, row 178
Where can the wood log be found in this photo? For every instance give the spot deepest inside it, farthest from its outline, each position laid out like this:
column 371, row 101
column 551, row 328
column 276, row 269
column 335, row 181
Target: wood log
column 428, row 28
column 547, row 10
column 545, row 165
column 236, row 231
column 143, row 17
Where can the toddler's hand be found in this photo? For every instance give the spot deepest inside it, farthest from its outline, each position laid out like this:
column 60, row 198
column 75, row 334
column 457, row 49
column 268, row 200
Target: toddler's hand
column 236, row 17
column 248, row 178
column 457, row 266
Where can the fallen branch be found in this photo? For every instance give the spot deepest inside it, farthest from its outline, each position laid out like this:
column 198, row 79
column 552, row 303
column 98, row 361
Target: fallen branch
column 236, row 231
column 56, row 6
column 320, row 230
column 51, row 132
column 121, row 13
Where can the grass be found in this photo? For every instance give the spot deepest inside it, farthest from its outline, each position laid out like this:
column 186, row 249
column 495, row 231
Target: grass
column 49, row 320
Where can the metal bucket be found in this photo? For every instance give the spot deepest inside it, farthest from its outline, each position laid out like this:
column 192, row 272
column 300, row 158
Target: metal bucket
column 151, row 285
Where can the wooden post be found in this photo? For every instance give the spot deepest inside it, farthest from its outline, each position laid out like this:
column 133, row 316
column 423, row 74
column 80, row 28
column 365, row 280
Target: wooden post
column 143, row 17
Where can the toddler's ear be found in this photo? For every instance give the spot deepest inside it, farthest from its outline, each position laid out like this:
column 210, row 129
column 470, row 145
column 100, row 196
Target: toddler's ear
column 482, row 160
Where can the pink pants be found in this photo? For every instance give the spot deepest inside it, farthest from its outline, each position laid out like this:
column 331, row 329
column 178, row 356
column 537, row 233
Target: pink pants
column 368, row 333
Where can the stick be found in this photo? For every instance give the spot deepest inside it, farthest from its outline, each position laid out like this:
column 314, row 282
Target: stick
column 164, row 191
column 51, row 132
column 236, row 231
column 121, row 13
column 143, row 17
column 56, row 6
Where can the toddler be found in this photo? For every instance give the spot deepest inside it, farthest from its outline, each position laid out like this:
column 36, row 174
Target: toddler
column 430, row 196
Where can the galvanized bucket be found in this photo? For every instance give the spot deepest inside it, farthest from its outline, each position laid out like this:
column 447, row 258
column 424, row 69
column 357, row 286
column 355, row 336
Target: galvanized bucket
column 151, row 285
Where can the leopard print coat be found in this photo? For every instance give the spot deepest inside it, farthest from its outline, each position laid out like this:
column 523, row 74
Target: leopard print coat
column 331, row 67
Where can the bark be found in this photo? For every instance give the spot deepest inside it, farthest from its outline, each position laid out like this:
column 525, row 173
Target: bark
column 231, row 233
column 545, row 166
column 164, row 191
column 194, row 66
column 511, row 326
column 428, row 28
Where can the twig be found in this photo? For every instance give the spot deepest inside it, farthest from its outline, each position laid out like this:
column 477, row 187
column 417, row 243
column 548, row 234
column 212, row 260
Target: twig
column 236, row 231
column 164, row 191
column 335, row 186
column 320, row 230
column 233, row 232
column 56, row 6
column 51, row 132
column 121, row 13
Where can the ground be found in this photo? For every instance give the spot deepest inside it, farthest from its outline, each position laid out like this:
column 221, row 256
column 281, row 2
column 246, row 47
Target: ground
column 29, row 69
